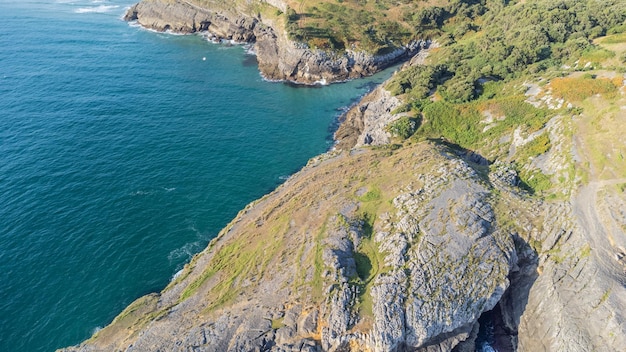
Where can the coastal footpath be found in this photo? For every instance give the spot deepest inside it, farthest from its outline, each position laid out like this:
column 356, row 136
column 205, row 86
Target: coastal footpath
column 416, row 233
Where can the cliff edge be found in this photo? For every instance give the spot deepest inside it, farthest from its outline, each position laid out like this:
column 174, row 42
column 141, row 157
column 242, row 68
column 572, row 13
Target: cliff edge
column 279, row 57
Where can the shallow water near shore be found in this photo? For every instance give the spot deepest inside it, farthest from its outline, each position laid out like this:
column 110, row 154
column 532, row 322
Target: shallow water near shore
column 123, row 152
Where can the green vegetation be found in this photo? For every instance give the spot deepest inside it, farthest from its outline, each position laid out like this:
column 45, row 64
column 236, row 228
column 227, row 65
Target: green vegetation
column 536, row 147
column 403, row 127
column 237, row 259
column 372, row 195
column 605, row 296
column 616, row 38
column 277, row 323
column 585, row 251
column 369, row 262
column 577, row 89
column 473, row 93
column 318, row 265
column 376, row 26
column 416, row 81
column 535, row 181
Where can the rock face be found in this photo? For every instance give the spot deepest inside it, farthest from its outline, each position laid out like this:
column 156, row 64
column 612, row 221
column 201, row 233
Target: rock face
column 279, row 58
column 366, row 123
column 335, row 263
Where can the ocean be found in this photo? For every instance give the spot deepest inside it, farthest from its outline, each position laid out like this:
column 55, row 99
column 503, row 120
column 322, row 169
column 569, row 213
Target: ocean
column 123, row 152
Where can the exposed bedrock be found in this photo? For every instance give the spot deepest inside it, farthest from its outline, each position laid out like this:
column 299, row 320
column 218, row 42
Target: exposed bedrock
column 330, row 262
column 279, row 58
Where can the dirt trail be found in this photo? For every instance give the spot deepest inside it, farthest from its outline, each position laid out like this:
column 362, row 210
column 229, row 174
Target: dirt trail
column 600, row 230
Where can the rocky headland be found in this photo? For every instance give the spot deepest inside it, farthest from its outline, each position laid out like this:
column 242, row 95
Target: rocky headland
column 387, row 244
column 398, row 249
column 279, row 57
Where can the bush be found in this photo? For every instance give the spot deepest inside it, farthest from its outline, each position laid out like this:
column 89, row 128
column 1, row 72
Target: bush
column 403, row 127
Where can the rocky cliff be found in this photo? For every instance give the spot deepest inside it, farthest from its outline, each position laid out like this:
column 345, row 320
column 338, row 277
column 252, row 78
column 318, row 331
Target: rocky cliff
column 279, row 57
column 342, row 256
column 413, row 246
column 391, row 250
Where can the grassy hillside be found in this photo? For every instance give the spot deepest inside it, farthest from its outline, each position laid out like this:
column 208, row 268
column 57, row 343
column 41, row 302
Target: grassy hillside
column 518, row 66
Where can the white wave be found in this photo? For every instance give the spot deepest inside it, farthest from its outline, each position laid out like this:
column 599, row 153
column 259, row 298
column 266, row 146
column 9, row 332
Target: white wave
column 169, row 189
column 97, row 9
column 177, row 274
column 249, row 49
column 141, row 193
column 184, row 253
column 321, row 82
column 165, row 34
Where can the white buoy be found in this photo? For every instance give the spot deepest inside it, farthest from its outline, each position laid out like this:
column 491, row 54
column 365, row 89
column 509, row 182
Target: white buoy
column 204, row 58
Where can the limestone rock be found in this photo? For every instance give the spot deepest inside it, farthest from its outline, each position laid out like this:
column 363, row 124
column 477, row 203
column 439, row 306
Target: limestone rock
column 318, row 274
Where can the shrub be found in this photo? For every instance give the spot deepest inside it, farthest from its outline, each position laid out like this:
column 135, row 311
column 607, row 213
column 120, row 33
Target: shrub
column 403, row 127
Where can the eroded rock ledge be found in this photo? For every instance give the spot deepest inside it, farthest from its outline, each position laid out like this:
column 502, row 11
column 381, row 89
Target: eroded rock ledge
column 279, row 58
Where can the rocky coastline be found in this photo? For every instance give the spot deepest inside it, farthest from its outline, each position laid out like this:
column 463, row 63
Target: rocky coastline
column 378, row 249
column 279, row 58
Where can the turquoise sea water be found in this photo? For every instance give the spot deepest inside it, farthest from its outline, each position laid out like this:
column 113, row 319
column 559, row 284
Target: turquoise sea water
column 122, row 153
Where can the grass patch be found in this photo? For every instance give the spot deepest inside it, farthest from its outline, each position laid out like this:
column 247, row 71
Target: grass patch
column 277, row 323
column 454, row 123
column 363, row 265
column 318, row 265
column 369, row 264
column 535, row 181
column 223, row 258
column 596, row 55
column 578, row 89
column 371, row 195
column 460, row 123
column 605, row 296
column 248, row 256
column 585, row 251
column 540, row 145
column 613, row 39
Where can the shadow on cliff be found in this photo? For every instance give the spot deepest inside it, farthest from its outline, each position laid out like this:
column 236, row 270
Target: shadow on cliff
column 498, row 328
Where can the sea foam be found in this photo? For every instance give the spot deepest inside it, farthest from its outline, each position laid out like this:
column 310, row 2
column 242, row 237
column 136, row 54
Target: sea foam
column 97, row 9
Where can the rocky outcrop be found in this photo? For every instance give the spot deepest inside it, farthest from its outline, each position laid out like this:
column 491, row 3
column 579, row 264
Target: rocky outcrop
column 367, row 251
column 279, row 58
column 185, row 17
column 367, row 122
column 336, row 263
column 577, row 301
